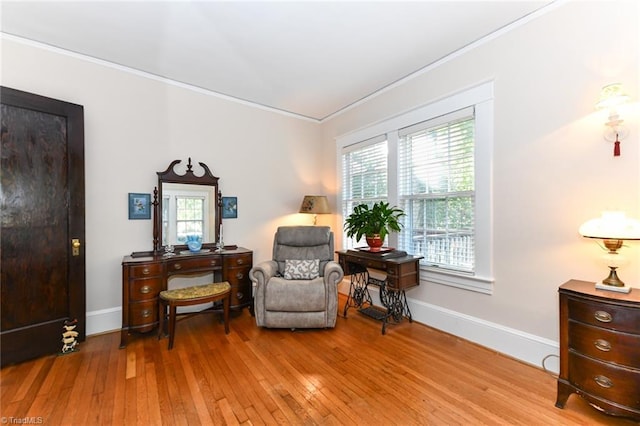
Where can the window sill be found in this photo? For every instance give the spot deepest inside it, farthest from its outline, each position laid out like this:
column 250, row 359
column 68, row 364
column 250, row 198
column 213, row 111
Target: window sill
column 458, row 280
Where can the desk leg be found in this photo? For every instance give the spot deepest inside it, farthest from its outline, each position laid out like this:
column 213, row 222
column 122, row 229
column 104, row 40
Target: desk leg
column 358, row 292
column 396, row 303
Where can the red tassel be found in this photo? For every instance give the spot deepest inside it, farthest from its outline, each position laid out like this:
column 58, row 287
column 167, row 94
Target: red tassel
column 616, row 147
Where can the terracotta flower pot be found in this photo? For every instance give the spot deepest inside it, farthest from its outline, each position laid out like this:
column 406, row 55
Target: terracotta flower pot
column 374, row 242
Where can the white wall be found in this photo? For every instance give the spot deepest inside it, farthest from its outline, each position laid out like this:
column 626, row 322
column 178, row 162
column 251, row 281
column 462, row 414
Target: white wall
column 135, row 126
column 552, row 168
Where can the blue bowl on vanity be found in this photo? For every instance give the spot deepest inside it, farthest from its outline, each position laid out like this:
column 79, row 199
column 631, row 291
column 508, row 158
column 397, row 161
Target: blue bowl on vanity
column 194, row 243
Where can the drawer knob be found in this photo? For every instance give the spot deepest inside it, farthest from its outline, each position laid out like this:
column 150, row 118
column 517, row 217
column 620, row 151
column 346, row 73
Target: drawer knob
column 602, row 345
column 603, row 316
column 240, row 261
column 146, row 313
column 145, row 289
column 239, row 295
column 213, row 263
column 603, row 381
column 145, row 271
column 177, row 266
column 239, row 275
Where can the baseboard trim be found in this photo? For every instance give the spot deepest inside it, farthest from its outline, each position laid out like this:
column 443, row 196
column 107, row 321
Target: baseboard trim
column 526, row 347
column 529, row 348
column 104, row 320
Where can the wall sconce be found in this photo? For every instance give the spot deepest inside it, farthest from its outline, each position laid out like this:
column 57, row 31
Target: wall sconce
column 315, row 204
column 612, row 227
column 611, row 97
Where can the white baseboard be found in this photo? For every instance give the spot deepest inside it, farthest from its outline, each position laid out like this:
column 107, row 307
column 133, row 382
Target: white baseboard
column 518, row 344
column 104, row 320
column 526, row 347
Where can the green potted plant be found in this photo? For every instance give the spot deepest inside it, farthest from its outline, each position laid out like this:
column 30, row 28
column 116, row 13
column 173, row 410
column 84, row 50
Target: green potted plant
column 374, row 223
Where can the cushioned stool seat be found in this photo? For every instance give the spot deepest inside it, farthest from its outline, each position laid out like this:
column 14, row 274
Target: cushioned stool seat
column 192, row 296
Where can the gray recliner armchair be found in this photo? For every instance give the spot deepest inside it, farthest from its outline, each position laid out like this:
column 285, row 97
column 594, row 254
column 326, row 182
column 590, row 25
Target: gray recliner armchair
column 299, row 287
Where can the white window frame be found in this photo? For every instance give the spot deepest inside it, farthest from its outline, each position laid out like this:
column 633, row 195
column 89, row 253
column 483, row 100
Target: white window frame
column 479, row 97
column 170, row 196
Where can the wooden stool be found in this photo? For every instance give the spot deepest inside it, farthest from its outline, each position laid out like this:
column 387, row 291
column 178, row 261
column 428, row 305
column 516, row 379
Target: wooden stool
column 192, row 296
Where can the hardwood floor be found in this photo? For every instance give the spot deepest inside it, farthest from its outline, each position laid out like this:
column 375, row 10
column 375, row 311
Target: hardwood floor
column 349, row 375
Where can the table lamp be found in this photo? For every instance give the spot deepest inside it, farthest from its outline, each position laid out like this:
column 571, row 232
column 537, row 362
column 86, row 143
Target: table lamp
column 315, row 204
column 613, row 227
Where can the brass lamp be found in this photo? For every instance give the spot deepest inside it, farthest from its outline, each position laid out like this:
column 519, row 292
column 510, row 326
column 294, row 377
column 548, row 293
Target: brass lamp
column 315, row 204
column 613, row 227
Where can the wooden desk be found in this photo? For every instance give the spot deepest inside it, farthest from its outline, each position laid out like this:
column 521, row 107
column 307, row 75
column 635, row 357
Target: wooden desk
column 144, row 277
column 402, row 270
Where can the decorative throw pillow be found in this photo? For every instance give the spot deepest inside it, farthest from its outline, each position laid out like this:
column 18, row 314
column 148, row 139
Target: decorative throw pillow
column 301, row 269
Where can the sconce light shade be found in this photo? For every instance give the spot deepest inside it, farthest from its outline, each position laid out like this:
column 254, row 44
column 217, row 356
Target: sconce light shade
column 315, row 204
column 612, row 227
column 611, row 97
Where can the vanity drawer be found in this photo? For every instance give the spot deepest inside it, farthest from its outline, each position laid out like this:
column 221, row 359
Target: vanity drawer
column 144, row 289
column 238, row 276
column 143, row 315
column 605, row 315
column 607, row 381
column 145, row 270
column 239, row 260
column 175, row 266
column 606, row 345
column 240, row 295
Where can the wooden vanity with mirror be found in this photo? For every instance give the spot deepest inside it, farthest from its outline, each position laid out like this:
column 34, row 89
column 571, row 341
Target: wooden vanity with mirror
column 146, row 274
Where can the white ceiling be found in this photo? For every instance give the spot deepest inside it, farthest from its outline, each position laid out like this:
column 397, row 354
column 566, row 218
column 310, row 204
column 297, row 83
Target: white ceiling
column 311, row 59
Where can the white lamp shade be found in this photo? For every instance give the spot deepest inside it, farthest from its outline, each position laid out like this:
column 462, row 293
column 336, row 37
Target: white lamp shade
column 612, row 225
column 611, row 96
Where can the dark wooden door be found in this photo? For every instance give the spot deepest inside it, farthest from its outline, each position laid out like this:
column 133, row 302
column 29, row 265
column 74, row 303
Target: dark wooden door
column 42, row 211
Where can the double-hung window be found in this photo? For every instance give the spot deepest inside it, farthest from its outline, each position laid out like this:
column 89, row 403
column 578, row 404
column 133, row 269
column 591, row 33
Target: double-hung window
column 364, row 175
column 437, row 192
column 435, row 164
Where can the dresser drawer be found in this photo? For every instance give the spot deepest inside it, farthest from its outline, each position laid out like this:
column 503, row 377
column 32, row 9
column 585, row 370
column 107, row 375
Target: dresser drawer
column 145, row 270
column 606, row 345
column 240, row 295
column 238, row 276
column 144, row 289
column 239, row 260
column 607, row 381
column 606, row 315
column 143, row 315
column 175, row 266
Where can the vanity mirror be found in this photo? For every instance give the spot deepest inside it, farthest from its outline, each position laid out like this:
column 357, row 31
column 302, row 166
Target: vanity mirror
column 186, row 204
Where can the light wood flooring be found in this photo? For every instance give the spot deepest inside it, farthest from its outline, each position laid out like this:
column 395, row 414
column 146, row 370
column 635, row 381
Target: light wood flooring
column 413, row 375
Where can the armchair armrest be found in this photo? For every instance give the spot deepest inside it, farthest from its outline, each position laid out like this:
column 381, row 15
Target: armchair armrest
column 333, row 273
column 261, row 273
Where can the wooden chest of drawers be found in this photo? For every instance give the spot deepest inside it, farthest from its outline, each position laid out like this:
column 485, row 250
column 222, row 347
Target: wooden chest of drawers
column 236, row 272
column 143, row 278
column 600, row 348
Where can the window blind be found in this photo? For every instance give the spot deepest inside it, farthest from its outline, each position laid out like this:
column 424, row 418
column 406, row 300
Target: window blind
column 436, row 190
column 364, row 175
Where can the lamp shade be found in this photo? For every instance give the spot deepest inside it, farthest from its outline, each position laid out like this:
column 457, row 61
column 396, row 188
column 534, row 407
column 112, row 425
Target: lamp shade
column 316, row 204
column 611, row 96
column 612, row 225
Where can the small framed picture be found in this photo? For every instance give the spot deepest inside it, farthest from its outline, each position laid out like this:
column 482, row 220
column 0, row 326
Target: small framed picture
column 229, row 207
column 139, row 206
